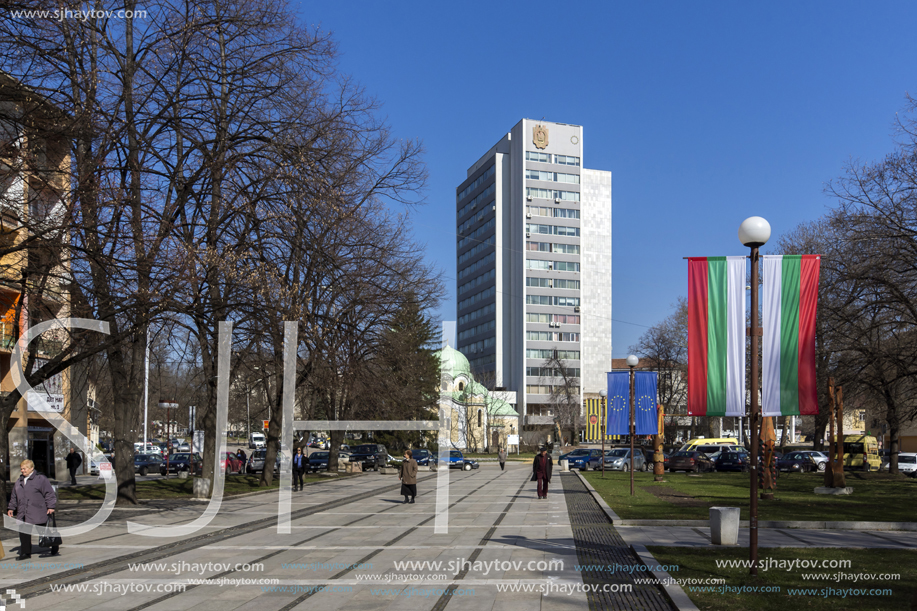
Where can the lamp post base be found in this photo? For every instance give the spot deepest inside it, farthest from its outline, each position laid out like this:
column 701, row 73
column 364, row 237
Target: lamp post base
column 767, row 496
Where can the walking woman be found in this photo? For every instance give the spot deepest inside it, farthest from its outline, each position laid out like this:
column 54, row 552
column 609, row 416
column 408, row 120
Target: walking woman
column 501, row 456
column 33, row 501
column 408, row 477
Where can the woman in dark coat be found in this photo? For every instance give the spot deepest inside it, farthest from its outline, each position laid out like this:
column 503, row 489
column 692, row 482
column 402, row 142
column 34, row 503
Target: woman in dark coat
column 408, row 477
column 541, row 472
column 33, row 501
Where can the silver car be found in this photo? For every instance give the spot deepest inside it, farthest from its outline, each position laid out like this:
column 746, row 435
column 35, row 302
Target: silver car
column 618, row 459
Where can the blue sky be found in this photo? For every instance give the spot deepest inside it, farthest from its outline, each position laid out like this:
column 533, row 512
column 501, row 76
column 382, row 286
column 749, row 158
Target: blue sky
column 705, row 112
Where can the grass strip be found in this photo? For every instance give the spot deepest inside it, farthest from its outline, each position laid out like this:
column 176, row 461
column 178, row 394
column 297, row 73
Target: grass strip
column 814, row 579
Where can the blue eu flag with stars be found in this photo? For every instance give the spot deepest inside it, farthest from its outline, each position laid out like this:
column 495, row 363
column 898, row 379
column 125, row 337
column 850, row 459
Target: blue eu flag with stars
column 646, row 421
column 618, row 414
column 618, row 417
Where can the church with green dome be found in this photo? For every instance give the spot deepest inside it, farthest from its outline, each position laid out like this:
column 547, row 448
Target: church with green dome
column 481, row 420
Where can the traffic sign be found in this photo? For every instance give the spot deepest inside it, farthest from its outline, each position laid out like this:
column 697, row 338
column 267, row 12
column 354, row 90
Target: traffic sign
column 267, row 424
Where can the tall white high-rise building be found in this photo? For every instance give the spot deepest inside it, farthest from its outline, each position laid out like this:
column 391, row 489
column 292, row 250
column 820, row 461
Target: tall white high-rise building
column 534, row 264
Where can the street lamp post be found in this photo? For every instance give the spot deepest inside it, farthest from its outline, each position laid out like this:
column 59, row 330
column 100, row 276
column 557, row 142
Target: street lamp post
column 604, row 395
column 169, row 406
column 754, row 233
column 632, row 362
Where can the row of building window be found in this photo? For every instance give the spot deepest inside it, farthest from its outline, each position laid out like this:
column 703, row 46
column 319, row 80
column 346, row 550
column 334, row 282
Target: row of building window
column 547, row 389
column 474, row 219
column 552, row 283
column 487, row 326
column 488, row 309
column 476, row 250
column 477, row 265
column 547, row 158
column 561, row 230
column 478, row 199
column 565, row 319
column 564, row 249
column 477, row 183
column 572, row 179
column 558, row 213
column 551, row 372
column 548, row 353
column 485, row 294
column 482, row 362
column 477, row 281
column 476, row 347
column 558, row 266
column 546, row 300
column 477, row 234
column 551, row 336
column 564, row 196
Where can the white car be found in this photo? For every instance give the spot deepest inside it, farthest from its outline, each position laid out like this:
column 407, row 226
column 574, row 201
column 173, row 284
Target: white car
column 907, row 463
column 150, row 448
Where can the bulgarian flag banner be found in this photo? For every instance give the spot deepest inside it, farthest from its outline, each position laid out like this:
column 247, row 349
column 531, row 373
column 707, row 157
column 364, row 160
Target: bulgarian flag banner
column 789, row 301
column 716, row 336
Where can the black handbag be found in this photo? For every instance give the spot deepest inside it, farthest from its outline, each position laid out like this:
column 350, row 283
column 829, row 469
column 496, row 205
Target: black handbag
column 52, row 539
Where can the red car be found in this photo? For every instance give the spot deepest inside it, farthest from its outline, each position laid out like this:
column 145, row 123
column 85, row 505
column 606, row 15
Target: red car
column 232, row 463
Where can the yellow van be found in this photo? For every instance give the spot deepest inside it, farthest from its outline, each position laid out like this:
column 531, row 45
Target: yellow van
column 691, row 446
column 861, row 452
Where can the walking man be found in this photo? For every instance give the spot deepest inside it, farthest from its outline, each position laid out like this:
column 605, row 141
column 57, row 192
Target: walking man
column 74, row 461
column 408, row 477
column 33, row 501
column 298, row 467
column 501, row 456
column 542, row 468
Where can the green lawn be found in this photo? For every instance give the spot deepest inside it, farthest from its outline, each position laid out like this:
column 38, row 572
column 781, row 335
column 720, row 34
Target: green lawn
column 700, row 563
column 876, row 496
column 174, row 488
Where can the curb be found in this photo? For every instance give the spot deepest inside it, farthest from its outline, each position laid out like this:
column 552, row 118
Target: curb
column 675, row 592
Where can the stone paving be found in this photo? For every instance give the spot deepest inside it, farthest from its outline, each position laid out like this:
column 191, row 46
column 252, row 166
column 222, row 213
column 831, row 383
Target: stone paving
column 346, row 537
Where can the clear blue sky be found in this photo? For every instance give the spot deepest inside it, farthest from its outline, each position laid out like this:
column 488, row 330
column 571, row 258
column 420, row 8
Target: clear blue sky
column 705, row 112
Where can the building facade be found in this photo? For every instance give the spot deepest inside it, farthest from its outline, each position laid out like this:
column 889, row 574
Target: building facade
column 534, row 267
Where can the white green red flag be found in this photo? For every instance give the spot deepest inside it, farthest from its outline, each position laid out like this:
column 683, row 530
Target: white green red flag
column 789, row 302
column 716, row 336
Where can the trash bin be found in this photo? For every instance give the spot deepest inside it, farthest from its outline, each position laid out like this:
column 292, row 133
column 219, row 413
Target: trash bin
column 724, row 525
column 565, row 465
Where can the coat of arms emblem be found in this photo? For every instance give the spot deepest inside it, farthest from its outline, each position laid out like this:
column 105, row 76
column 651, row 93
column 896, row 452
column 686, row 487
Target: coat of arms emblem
column 540, row 136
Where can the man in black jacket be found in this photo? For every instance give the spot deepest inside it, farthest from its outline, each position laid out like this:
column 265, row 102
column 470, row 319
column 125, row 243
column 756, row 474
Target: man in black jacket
column 541, row 472
column 74, row 461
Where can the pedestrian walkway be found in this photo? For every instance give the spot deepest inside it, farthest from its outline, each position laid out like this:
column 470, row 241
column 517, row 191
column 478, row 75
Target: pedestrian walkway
column 353, row 546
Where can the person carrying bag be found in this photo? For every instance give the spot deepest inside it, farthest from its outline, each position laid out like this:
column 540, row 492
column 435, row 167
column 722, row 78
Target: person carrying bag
column 33, row 502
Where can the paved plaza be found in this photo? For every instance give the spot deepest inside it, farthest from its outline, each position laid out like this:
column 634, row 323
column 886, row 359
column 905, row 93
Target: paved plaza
column 346, row 537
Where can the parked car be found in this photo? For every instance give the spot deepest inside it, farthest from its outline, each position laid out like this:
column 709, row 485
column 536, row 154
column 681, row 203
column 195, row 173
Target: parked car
column 149, row 448
column 183, row 461
column 580, row 458
column 318, row 461
column 697, row 462
column 458, row 461
column 731, row 461
column 94, row 465
column 907, row 463
column 712, row 450
column 618, row 459
column 370, row 455
column 144, row 463
column 256, row 461
column 233, row 464
column 595, row 463
column 424, row 458
column 819, row 458
column 184, row 447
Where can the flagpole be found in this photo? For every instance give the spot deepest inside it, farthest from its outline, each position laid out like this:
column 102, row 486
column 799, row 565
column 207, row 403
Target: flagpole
column 632, row 362
column 754, row 233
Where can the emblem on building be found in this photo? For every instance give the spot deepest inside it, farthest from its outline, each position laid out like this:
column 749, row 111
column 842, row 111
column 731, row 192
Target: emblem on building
column 540, row 136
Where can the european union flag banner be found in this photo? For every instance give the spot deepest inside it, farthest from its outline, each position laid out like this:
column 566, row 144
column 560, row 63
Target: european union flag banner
column 618, row 416
column 646, row 420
